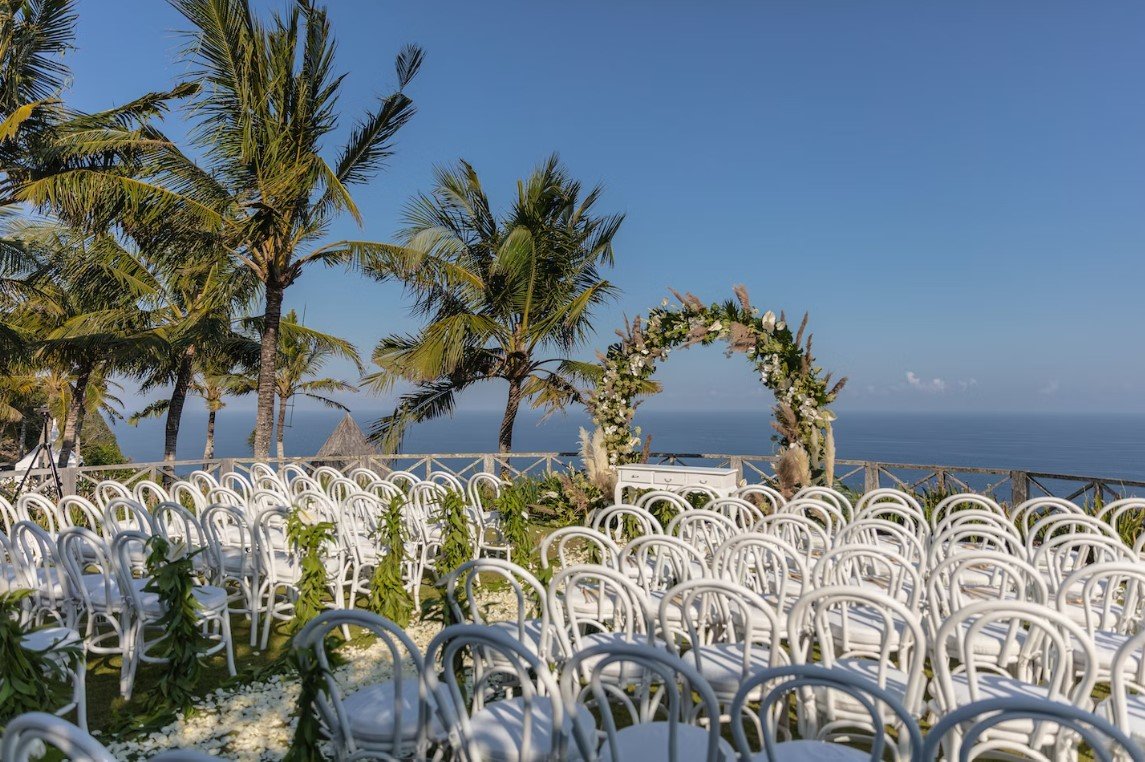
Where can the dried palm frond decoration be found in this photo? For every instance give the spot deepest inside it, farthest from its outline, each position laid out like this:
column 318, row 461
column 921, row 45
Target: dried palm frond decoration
column 784, row 361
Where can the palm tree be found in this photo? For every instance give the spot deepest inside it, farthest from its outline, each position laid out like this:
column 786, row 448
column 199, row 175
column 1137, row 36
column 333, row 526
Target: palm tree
column 197, row 298
column 86, row 319
column 302, row 354
column 533, row 282
column 268, row 106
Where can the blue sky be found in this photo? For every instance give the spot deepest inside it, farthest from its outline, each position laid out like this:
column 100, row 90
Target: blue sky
column 956, row 192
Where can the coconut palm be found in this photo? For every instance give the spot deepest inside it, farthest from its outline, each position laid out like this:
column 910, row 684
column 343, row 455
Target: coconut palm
column 264, row 118
column 533, row 281
column 86, row 319
column 197, row 297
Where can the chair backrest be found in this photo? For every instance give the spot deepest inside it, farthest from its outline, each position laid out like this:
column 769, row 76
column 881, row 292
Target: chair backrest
column 980, row 575
column 902, row 514
column 1127, row 517
column 1026, row 514
column 766, row 564
column 799, row 532
column 107, row 490
column 827, row 495
column 406, row 667
column 126, row 548
column 204, row 480
column 42, row 568
column 125, row 514
column 482, row 485
column 961, row 732
column 227, row 528
column 875, row 567
column 239, row 484
column 38, row 509
column 622, row 522
column 668, row 690
column 585, row 599
column 26, row 736
column 189, row 495
column 497, row 659
column 742, row 513
column 977, row 517
column 578, row 545
column 1064, row 554
column 528, row 598
column 964, row 501
column 149, row 494
column 1034, row 644
column 763, row 495
column 1127, row 679
column 8, row 515
column 889, row 496
column 84, row 553
column 226, row 496
column 844, row 622
column 704, row 530
column 824, row 514
column 1110, row 595
column 777, row 683
column 1055, row 525
column 879, row 532
column 702, row 612
column 176, row 524
column 974, row 537
column 76, row 510
column 664, row 504
column 447, row 480
column 660, row 561
column 403, row 479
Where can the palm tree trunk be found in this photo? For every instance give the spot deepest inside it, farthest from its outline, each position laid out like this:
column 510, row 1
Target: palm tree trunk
column 175, row 409
column 21, row 448
column 268, row 357
column 209, row 449
column 280, row 428
column 505, row 435
column 77, row 410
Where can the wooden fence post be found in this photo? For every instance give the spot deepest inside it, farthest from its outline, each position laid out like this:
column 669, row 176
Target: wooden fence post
column 736, row 462
column 68, row 481
column 870, row 477
column 226, row 466
column 1019, row 487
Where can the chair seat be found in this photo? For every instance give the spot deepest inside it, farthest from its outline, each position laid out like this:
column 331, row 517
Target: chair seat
column 530, row 633
column 990, row 641
column 618, row 672
column 49, row 638
column 895, row 681
column 9, row 577
column 722, row 664
column 865, row 627
column 812, row 751
column 992, row 687
column 497, row 730
column 1105, row 646
column 288, row 568
column 649, row 741
column 372, row 712
column 1135, row 711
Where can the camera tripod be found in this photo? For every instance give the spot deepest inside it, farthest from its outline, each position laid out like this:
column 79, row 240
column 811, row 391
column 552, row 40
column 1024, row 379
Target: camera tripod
column 43, row 449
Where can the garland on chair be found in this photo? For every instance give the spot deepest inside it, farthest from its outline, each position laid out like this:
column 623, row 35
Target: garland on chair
column 170, row 569
column 30, row 681
column 307, row 535
column 456, row 547
column 305, row 745
column 389, row 596
column 782, row 359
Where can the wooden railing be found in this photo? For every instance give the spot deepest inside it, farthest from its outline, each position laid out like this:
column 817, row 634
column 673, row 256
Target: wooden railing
column 1007, row 485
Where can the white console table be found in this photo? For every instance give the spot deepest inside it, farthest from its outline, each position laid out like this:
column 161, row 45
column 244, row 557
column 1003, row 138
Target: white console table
column 722, row 481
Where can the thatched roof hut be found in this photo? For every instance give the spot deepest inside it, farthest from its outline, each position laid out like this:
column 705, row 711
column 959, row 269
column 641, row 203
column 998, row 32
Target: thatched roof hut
column 347, row 440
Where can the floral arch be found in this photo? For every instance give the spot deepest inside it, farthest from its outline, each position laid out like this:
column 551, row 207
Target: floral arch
column 782, row 359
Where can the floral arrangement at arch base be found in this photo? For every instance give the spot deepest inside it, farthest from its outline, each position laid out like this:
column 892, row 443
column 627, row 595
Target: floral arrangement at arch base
column 782, row 359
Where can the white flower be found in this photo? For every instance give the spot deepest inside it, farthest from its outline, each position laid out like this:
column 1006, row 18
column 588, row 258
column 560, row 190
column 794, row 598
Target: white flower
column 715, row 326
column 308, row 517
column 768, row 321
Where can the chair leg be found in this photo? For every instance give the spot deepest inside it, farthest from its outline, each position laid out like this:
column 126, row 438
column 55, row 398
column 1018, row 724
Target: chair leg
column 229, row 647
column 81, row 690
column 269, row 615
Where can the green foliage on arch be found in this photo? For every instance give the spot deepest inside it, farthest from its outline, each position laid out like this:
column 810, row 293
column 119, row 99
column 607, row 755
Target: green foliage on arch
column 782, row 359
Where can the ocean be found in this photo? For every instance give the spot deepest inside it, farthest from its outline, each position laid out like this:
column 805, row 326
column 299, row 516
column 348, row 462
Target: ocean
column 1105, row 445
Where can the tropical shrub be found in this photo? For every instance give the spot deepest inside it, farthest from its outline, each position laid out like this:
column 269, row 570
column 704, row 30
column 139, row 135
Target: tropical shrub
column 171, row 572
column 30, row 681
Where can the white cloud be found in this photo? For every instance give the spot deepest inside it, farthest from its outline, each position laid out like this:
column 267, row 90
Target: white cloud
column 934, row 385
column 1050, row 388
